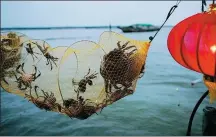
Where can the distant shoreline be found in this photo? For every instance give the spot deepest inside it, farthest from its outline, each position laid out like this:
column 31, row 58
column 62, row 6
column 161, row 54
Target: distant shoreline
column 70, row 27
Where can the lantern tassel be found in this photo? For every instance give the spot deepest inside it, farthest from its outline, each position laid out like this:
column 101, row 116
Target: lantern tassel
column 210, row 83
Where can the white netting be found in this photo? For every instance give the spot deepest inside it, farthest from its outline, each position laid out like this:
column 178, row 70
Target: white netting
column 77, row 80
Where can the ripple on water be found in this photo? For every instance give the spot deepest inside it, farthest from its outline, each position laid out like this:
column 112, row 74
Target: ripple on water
column 152, row 110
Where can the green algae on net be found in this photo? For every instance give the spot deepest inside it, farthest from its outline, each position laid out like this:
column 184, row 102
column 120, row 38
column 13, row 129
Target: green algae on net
column 67, row 79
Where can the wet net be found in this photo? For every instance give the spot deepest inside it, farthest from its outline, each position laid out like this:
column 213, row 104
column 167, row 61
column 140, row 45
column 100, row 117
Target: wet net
column 78, row 80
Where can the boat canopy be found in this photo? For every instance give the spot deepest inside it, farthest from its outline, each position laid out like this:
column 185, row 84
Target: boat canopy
column 144, row 25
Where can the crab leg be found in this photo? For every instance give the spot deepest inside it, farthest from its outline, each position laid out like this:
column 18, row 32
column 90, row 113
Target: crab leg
column 25, row 86
column 54, row 62
column 16, row 77
column 5, row 81
column 123, row 46
column 33, row 98
column 87, row 73
column 17, row 70
column 36, row 90
column 142, row 71
column 106, row 86
column 52, row 94
column 23, row 67
column 37, row 75
column 47, row 62
column 35, row 70
column 132, row 52
column 19, row 85
column 118, row 44
column 50, row 64
column 74, row 83
column 45, row 49
column 55, row 59
column 129, row 48
column 45, row 93
column 115, row 86
column 92, row 76
column 58, row 106
column 77, row 91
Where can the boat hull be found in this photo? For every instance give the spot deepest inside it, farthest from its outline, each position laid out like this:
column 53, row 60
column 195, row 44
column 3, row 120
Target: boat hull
column 130, row 30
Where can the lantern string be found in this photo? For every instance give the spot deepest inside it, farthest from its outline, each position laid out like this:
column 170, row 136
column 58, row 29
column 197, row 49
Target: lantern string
column 168, row 15
column 203, row 4
column 194, row 112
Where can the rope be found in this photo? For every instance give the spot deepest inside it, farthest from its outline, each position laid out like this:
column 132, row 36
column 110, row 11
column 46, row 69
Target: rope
column 172, row 9
column 168, row 15
column 194, row 112
column 203, row 4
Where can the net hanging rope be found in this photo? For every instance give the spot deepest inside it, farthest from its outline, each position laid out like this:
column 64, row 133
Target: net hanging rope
column 151, row 38
column 203, row 5
column 172, row 9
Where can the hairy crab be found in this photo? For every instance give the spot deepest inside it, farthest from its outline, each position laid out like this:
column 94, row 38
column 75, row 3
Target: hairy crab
column 25, row 79
column 115, row 67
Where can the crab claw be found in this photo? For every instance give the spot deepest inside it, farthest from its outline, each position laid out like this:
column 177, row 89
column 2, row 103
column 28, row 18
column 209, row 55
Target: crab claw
column 17, row 69
column 118, row 44
column 35, row 87
column 123, row 46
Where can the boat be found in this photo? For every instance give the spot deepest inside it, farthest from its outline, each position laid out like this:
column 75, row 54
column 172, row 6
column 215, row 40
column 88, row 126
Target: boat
column 139, row 28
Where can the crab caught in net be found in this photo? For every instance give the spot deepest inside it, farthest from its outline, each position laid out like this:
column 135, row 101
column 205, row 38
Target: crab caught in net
column 122, row 65
column 30, row 51
column 45, row 49
column 10, row 56
column 115, row 67
column 83, row 82
column 46, row 101
column 25, row 79
column 79, row 80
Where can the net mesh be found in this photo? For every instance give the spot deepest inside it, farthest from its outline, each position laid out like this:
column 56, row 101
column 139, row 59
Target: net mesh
column 77, row 80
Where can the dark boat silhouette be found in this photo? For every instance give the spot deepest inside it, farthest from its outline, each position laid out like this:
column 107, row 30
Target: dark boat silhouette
column 138, row 28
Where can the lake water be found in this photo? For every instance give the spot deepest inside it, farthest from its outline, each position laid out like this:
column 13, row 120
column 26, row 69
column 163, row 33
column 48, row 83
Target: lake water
column 161, row 105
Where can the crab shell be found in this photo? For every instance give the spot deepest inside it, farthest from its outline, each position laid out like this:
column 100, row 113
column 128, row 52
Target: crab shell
column 114, row 66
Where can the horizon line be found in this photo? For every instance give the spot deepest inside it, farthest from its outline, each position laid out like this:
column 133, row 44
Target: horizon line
column 64, row 27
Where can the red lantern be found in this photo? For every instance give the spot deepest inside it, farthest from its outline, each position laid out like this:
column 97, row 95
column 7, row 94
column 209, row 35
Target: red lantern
column 192, row 42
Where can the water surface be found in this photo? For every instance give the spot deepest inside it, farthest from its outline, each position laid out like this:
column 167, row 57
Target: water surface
column 161, row 105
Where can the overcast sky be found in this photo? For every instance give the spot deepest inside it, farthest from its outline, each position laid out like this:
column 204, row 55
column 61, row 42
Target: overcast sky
column 91, row 13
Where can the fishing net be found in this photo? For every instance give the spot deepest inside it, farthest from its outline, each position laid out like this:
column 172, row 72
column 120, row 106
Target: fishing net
column 77, row 80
